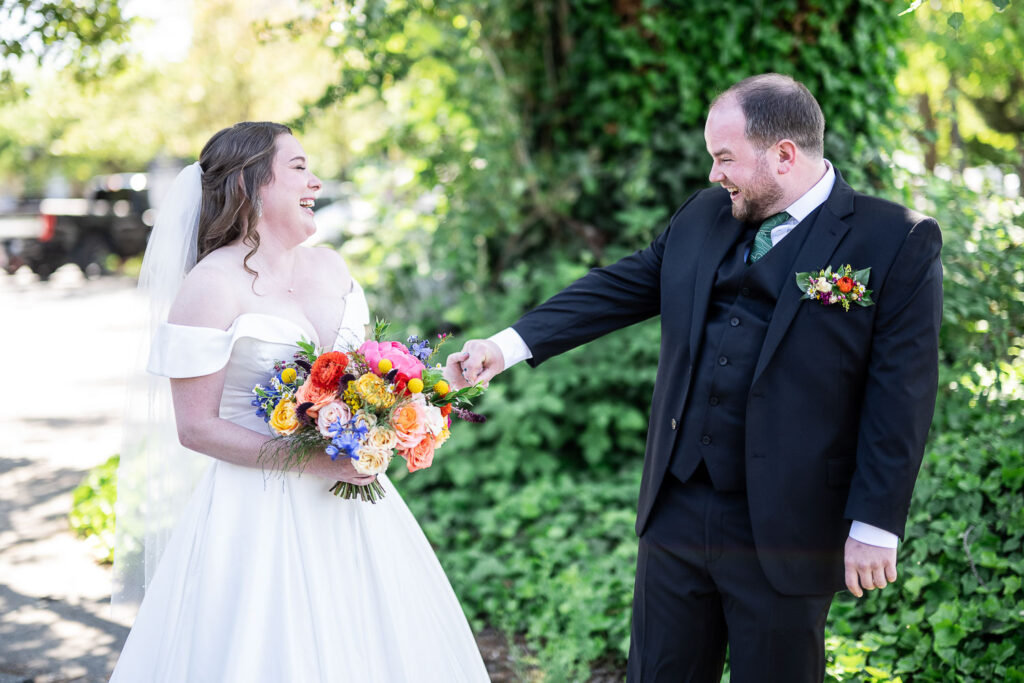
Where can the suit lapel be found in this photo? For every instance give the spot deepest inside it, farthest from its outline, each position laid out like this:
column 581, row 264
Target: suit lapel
column 722, row 236
column 822, row 241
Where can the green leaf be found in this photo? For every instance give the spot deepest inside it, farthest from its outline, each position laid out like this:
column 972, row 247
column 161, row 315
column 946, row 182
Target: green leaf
column 956, row 20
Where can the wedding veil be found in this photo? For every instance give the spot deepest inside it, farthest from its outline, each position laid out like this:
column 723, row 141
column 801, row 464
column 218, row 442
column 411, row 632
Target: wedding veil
column 156, row 474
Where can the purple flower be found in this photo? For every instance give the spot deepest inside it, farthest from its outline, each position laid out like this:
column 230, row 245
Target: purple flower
column 345, row 438
column 420, row 348
column 468, row 415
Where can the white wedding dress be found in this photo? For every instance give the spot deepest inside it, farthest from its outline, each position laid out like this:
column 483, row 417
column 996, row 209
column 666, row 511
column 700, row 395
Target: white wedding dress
column 271, row 578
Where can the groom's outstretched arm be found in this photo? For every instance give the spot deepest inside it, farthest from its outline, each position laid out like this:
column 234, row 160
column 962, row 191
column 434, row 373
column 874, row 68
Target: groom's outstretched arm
column 478, row 362
column 604, row 300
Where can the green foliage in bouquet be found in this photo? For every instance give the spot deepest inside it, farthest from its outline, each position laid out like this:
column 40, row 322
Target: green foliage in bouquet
column 92, row 509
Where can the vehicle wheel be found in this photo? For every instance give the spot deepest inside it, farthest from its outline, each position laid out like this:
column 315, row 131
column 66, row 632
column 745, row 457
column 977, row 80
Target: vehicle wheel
column 43, row 270
column 91, row 256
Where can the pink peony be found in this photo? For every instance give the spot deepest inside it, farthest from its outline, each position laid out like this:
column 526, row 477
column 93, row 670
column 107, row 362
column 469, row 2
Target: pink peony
column 420, row 456
column 400, row 358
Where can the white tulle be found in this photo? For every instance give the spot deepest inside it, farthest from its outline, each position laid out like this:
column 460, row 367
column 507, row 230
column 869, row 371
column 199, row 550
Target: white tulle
column 271, row 579
column 156, row 476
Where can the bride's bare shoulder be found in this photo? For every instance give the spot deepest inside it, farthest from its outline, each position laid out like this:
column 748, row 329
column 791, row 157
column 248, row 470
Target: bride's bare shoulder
column 330, row 266
column 209, row 294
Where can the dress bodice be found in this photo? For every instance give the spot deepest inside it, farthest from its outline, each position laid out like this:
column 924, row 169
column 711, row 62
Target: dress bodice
column 248, row 349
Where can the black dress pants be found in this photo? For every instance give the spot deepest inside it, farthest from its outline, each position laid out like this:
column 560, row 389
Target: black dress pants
column 700, row 587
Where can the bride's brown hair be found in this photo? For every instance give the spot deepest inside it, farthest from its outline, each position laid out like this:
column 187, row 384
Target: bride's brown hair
column 236, row 163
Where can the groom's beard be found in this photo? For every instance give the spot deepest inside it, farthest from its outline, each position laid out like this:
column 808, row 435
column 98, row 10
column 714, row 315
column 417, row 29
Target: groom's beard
column 759, row 197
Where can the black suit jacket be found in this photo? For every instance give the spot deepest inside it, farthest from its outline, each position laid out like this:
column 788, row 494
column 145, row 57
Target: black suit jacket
column 840, row 403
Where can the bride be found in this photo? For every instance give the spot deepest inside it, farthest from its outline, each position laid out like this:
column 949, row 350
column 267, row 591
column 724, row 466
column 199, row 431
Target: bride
column 266, row 578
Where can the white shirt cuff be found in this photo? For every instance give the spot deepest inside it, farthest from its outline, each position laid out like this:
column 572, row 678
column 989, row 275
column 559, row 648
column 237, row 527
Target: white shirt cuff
column 872, row 535
column 513, row 348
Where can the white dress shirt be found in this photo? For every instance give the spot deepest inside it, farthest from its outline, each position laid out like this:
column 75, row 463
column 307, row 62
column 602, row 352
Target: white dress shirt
column 514, row 349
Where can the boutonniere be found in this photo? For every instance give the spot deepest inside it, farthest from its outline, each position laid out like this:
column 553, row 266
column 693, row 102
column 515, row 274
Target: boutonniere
column 843, row 286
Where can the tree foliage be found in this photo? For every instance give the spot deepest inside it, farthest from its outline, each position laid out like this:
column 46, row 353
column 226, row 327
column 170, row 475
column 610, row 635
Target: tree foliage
column 574, row 129
column 966, row 78
column 82, row 36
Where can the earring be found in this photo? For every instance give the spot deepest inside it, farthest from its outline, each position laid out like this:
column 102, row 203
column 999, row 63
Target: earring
column 259, row 206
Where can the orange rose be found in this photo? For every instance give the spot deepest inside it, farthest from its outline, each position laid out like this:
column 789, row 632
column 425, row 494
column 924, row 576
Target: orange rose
column 845, row 284
column 420, row 456
column 328, row 369
column 409, row 422
column 319, row 396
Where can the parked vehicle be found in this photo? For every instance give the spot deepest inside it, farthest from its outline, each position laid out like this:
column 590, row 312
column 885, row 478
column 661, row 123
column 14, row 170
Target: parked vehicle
column 113, row 219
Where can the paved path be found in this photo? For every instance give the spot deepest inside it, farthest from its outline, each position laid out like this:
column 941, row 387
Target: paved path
column 62, row 354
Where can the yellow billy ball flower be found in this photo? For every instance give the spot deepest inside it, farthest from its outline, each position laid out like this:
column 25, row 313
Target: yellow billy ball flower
column 288, row 375
column 384, row 366
column 442, row 388
column 415, row 385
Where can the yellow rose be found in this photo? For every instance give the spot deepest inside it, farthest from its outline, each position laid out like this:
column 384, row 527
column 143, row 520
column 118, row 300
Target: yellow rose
column 283, row 420
column 374, row 391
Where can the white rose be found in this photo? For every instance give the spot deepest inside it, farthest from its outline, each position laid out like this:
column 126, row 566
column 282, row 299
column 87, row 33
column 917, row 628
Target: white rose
column 371, row 460
column 333, row 411
column 434, row 420
column 382, row 438
column 365, row 419
column 823, row 285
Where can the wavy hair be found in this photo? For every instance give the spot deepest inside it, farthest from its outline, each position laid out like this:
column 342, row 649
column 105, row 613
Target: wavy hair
column 237, row 162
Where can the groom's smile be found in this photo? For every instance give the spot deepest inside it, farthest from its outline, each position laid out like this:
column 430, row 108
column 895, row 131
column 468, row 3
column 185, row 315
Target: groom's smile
column 738, row 167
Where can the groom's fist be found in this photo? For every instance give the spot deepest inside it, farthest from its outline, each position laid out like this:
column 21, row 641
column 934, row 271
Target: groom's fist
column 478, row 361
column 868, row 566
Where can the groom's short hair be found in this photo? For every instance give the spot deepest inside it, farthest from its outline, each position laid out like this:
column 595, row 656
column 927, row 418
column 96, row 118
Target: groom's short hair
column 778, row 107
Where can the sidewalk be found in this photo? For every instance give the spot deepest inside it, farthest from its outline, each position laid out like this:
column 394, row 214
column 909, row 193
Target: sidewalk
column 61, row 347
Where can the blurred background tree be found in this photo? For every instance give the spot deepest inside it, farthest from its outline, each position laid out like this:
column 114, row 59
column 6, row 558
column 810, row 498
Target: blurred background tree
column 506, row 147
column 965, row 82
column 88, row 38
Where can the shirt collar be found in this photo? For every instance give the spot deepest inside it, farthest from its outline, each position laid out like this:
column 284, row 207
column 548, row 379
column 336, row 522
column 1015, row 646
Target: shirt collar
column 815, row 196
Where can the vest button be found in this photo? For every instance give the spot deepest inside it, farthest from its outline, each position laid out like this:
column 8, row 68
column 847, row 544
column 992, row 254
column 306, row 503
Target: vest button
column 713, row 400
column 734, row 321
column 673, row 423
column 722, row 360
column 706, row 440
column 745, row 291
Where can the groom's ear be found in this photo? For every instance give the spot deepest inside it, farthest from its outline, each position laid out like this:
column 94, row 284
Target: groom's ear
column 784, row 154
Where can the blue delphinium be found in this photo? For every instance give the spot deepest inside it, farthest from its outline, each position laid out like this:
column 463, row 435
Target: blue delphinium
column 266, row 399
column 345, row 438
column 419, row 348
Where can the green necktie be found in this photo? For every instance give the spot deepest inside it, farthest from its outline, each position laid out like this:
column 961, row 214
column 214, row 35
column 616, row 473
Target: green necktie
column 763, row 238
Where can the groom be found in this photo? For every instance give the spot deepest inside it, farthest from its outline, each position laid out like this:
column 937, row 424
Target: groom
column 786, row 432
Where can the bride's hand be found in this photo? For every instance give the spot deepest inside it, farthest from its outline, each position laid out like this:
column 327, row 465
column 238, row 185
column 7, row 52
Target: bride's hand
column 340, row 470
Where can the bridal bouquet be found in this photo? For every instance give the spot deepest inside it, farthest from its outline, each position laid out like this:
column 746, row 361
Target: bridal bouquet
column 367, row 404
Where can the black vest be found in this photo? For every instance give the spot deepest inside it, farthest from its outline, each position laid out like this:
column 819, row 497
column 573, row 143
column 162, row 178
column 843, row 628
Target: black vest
column 742, row 302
